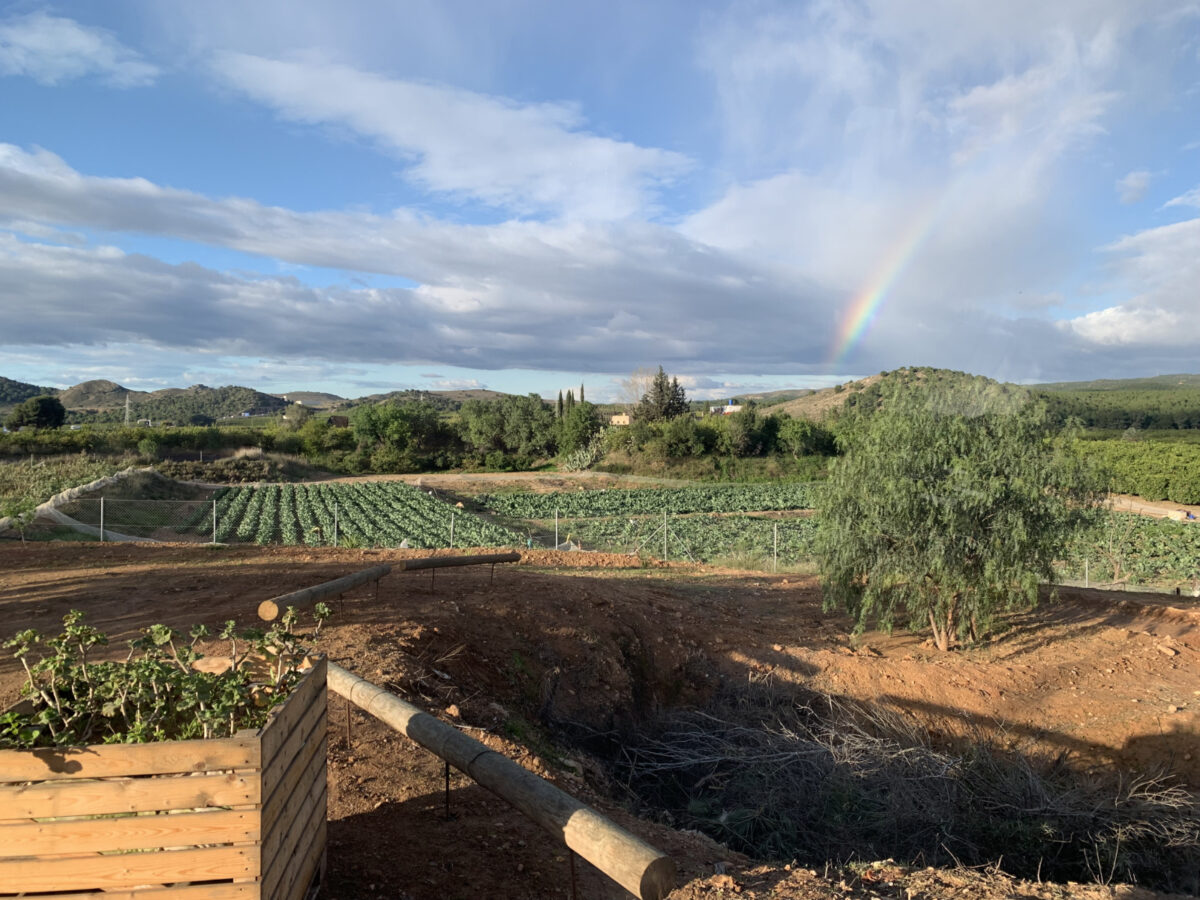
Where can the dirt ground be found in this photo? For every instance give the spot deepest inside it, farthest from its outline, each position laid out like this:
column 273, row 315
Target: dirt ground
column 592, row 640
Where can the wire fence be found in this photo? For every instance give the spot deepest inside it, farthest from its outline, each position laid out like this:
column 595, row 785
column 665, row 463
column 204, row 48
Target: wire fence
column 156, row 520
column 762, row 541
column 753, row 541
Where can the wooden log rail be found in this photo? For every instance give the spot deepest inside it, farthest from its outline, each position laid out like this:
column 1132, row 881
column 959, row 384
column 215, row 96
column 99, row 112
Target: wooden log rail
column 269, row 610
column 444, row 562
column 630, row 862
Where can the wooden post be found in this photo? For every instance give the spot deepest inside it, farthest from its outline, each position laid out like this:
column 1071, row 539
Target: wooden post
column 626, row 859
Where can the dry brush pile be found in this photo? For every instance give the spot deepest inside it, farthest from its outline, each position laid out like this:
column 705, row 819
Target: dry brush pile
column 808, row 777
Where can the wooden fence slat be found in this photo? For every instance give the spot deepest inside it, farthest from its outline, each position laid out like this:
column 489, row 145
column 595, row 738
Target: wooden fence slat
column 210, row 891
column 281, row 780
column 225, row 826
column 291, row 854
column 128, row 869
column 308, row 858
column 293, row 743
column 91, row 798
column 100, row 760
column 293, row 806
column 283, row 720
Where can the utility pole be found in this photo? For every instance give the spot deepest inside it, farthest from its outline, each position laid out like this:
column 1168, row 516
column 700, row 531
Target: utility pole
column 126, row 410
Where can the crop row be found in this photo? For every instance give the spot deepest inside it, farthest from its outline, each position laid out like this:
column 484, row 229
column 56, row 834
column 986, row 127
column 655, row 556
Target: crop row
column 1123, row 547
column 645, row 501
column 373, row 514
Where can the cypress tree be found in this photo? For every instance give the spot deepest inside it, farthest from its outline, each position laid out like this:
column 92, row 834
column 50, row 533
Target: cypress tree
column 560, row 405
column 581, row 392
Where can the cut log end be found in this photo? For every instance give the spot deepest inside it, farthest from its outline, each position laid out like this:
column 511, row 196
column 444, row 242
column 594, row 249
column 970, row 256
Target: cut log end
column 658, row 880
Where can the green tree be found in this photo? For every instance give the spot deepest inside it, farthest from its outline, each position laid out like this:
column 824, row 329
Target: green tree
column 665, row 399
column 577, row 427
column 38, row 412
column 949, row 506
column 802, row 437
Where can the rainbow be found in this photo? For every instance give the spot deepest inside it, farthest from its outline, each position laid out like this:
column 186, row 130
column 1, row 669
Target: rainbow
column 861, row 312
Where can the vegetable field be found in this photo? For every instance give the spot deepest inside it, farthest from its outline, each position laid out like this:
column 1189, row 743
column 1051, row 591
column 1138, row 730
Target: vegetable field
column 701, row 538
column 648, row 501
column 370, row 514
column 1127, row 547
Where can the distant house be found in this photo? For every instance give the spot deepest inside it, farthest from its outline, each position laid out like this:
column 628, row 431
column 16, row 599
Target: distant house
column 728, row 410
column 619, row 419
column 339, row 421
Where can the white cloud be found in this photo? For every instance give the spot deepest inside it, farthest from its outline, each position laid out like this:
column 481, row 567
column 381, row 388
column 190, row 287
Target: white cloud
column 1160, row 267
column 1190, row 198
column 53, row 50
column 530, row 158
column 549, row 296
column 1132, row 187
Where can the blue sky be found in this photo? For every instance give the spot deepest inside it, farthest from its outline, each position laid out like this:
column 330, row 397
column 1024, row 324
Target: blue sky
column 526, row 195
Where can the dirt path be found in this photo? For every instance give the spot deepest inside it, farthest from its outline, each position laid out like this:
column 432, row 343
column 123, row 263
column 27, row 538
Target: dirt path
column 1160, row 509
column 1097, row 677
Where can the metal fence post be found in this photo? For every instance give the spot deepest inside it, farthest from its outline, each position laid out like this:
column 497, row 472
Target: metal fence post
column 556, row 528
column 775, row 558
column 664, row 535
column 214, row 520
column 102, row 520
column 335, row 524
column 451, row 528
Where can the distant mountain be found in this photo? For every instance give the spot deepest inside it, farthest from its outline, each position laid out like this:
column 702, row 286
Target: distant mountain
column 439, row 399
column 95, row 395
column 817, row 405
column 773, row 398
column 13, row 392
column 1154, row 383
column 104, row 401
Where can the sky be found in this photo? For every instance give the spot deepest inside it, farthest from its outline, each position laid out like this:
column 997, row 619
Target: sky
column 526, row 195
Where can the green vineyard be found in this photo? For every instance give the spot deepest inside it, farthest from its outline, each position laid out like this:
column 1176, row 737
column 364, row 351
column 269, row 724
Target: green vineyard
column 367, row 514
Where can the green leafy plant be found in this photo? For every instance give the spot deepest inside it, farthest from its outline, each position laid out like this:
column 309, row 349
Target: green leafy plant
column 164, row 689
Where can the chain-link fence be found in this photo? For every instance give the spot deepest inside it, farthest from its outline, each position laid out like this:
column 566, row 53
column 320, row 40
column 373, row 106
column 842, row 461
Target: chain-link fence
column 155, row 520
column 747, row 540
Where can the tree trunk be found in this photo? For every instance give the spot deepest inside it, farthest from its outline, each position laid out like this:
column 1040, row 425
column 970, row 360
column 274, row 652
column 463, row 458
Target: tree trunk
column 940, row 634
